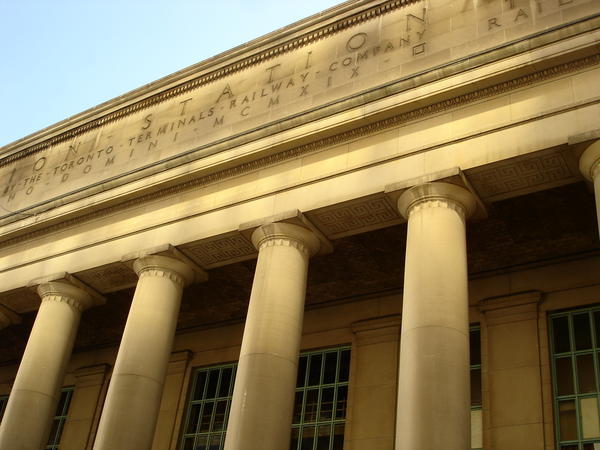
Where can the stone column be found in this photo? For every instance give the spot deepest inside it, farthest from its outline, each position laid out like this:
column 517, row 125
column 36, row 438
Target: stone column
column 263, row 397
column 589, row 164
column 133, row 399
column 433, row 409
column 35, row 393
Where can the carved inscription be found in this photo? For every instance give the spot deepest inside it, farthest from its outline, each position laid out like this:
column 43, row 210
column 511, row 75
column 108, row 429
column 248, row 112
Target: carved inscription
column 344, row 64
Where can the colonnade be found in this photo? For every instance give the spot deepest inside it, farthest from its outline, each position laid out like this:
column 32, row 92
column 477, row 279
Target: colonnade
column 433, row 407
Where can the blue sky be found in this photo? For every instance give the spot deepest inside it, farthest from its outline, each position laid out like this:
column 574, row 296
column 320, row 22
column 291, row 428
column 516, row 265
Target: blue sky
column 60, row 57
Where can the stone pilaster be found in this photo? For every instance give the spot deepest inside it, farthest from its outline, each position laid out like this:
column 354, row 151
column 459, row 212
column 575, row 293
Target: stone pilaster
column 513, row 366
column 433, row 384
column 372, row 411
column 36, row 390
column 171, row 403
column 133, row 400
column 85, row 407
column 263, row 397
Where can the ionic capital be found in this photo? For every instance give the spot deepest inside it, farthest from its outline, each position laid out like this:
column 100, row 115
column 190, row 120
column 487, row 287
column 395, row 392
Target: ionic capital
column 589, row 162
column 437, row 195
column 286, row 234
column 166, row 267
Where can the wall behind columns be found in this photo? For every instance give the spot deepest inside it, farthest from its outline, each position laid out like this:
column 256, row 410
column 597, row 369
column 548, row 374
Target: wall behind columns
column 372, row 412
column 86, row 404
column 171, row 404
column 512, row 357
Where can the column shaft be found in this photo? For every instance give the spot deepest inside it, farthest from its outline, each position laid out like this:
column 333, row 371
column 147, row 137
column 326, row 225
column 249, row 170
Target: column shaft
column 133, row 399
column 35, row 393
column 433, row 388
column 263, row 397
column 589, row 165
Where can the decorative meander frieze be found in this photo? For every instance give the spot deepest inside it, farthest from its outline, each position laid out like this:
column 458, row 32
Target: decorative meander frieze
column 109, row 278
column 315, row 146
column 356, row 216
column 219, row 251
column 524, row 175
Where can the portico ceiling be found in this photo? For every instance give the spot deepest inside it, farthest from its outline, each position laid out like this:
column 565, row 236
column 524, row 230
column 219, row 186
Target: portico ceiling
column 532, row 229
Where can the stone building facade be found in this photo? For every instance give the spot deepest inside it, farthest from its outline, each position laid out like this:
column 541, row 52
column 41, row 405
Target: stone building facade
column 373, row 229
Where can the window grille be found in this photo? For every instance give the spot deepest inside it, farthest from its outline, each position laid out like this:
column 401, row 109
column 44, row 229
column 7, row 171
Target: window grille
column 319, row 409
column 575, row 349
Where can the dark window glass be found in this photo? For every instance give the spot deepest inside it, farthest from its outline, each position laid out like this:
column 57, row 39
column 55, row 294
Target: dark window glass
column 582, row 331
column 475, row 346
column 330, row 368
column 308, row 438
column 476, row 387
column 564, row 376
column 301, row 371
column 344, row 366
column 314, row 376
column 586, row 374
column 562, row 341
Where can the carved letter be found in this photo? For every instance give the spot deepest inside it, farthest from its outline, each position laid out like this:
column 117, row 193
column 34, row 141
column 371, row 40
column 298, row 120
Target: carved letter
column 521, row 13
column 356, row 42
column 227, row 91
column 38, row 165
column 271, row 69
column 274, row 101
column 420, row 19
column 148, row 120
column 72, row 149
column 183, row 105
column 493, row 21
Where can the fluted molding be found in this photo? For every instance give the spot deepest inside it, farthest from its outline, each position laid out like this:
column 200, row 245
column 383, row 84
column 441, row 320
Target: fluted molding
column 162, row 266
column 286, row 234
column 437, row 195
column 64, row 292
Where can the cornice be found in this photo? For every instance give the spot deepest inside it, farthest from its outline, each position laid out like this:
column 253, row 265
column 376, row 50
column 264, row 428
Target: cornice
column 346, row 136
column 290, row 45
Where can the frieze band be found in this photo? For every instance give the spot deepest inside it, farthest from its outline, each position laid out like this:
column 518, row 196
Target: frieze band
column 365, row 130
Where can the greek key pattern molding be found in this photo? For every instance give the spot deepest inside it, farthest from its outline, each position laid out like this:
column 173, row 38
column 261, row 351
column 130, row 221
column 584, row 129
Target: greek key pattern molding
column 212, row 253
column 302, row 150
column 524, row 174
column 354, row 217
column 109, row 278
